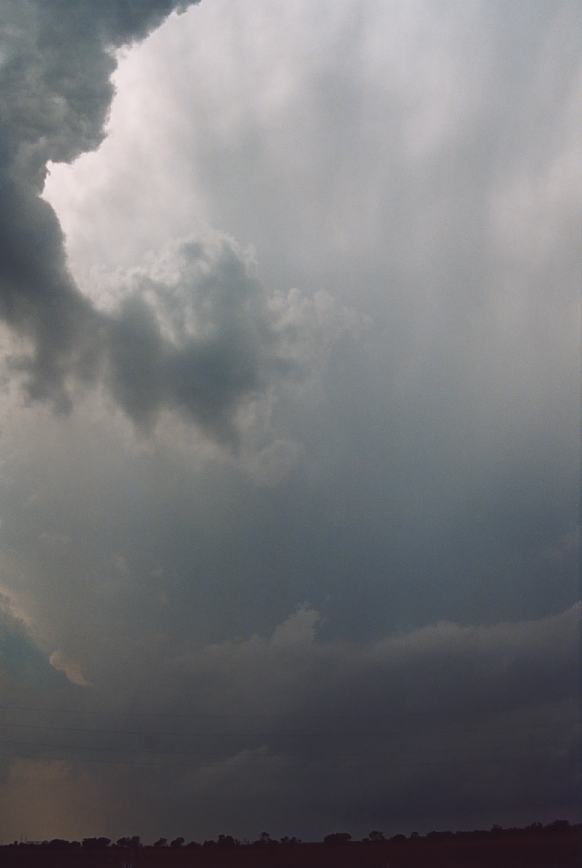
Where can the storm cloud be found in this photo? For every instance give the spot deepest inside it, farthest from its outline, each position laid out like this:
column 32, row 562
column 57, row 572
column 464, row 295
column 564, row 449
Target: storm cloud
column 56, row 66
column 292, row 728
column 306, row 555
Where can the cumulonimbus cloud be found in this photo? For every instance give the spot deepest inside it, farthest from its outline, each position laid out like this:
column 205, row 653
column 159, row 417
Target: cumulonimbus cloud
column 56, row 62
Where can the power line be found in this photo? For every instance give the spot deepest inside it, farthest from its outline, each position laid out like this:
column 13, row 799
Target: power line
column 187, row 758
column 234, row 733
column 35, row 745
column 235, row 715
column 187, row 714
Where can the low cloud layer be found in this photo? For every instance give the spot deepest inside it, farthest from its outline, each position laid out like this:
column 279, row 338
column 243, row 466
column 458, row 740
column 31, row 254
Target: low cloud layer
column 293, row 733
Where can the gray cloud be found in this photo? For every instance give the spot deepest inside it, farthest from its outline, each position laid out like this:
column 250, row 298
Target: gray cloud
column 56, row 85
column 415, row 173
column 293, row 732
column 26, row 673
column 195, row 333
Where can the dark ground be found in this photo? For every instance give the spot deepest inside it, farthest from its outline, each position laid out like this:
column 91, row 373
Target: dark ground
column 526, row 849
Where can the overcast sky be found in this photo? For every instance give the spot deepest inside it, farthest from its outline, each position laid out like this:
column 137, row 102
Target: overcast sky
column 289, row 318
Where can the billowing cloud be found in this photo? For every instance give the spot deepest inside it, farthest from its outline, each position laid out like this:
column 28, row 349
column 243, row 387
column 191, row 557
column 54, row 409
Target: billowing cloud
column 195, row 333
column 363, row 611
column 57, row 62
column 55, row 66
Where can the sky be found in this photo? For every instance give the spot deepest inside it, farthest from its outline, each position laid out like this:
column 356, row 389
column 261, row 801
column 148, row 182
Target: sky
column 289, row 332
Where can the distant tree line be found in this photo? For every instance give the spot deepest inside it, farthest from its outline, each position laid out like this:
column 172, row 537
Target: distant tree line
column 335, row 839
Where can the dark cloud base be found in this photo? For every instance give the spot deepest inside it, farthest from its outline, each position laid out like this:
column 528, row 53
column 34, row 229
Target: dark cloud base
column 447, row 727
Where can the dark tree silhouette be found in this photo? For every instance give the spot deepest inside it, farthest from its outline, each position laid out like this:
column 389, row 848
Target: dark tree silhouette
column 133, row 841
column 338, row 838
column 227, row 841
column 96, row 843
